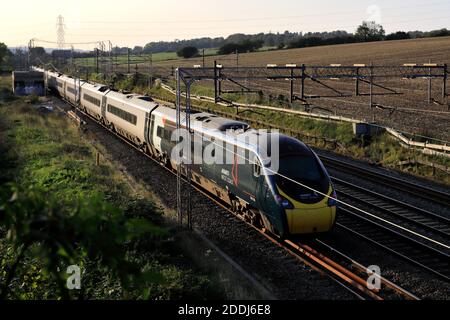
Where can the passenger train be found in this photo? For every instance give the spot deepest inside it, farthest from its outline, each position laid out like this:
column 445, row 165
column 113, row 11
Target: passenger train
column 291, row 202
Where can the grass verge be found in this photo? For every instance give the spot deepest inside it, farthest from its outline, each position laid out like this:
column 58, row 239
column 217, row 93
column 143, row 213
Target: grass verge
column 58, row 208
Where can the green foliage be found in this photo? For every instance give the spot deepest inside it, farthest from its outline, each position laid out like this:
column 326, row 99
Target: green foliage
column 64, row 234
column 188, row 52
column 4, row 53
column 58, row 208
column 241, row 47
column 399, row 35
column 370, row 31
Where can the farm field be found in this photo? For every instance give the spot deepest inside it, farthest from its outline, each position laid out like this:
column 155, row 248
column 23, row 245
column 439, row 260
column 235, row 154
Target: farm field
column 386, row 52
column 408, row 111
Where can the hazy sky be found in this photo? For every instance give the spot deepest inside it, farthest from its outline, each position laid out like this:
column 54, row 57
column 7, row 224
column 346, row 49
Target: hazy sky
column 137, row 22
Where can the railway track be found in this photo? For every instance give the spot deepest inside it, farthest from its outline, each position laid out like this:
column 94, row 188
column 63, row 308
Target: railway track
column 350, row 275
column 399, row 244
column 394, row 210
column 420, row 191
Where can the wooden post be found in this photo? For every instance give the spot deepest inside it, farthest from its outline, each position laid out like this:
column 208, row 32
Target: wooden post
column 151, row 71
column 303, row 82
column 444, row 85
column 216, row 92
column 96, row 60
column 128, row 60
column 219, row 74
column 203, row 51
column 291, row 99
column 429, row 84
column 357, row 82
column 371, row 85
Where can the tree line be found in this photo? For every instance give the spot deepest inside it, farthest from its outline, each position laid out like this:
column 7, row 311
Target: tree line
column 367, row 31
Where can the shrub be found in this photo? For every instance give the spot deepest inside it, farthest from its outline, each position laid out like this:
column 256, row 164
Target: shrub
column 188, row 52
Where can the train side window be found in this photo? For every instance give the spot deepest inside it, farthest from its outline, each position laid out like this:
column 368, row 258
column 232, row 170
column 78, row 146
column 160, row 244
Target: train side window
column 159, row 132
column 256, row 167
column 167, row 135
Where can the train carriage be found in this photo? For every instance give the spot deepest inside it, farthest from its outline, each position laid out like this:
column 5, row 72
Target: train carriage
column 297, row 199
column 128, row 115
column 93, row 100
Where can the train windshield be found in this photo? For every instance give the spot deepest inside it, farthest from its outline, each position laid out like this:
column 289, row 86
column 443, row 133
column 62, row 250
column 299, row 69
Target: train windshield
column 307, row 172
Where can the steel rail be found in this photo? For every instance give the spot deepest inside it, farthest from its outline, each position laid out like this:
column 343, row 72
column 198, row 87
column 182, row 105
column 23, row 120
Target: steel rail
column 421, row 191
column 413, row 215
column 405, row 247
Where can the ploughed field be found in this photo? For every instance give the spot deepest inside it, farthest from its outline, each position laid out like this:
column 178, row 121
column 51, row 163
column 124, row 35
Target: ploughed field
column 409, row 111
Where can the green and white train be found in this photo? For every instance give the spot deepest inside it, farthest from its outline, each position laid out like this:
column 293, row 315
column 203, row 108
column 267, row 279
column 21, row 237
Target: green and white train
column 298, row 199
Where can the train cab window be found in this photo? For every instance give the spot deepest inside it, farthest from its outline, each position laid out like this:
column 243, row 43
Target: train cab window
column 301, row 178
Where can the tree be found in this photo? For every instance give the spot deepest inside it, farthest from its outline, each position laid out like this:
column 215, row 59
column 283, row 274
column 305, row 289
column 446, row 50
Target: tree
column 188, row 52
column 439, row 33
column 399, row 35
column 243, row 47
column 137, row 50
column 370, row 31
column 38, row 51
column 4, row 53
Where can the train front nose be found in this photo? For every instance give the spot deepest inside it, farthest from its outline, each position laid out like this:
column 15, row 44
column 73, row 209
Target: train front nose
column 310, row 220
column 314, row 217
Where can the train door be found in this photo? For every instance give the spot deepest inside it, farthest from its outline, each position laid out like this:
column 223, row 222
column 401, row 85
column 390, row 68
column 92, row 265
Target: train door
column 158, row 133
column 104, row 101
column 149, row 126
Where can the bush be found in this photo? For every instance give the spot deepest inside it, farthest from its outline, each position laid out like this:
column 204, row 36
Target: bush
column 399, row 35
column 243, row 47
column 188, row 52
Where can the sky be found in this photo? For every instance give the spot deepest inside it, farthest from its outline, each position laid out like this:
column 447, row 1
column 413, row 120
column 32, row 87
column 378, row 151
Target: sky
column 137, row 22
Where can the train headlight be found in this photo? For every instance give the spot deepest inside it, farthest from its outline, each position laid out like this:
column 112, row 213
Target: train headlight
column 332, row 202
column 285, row 203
